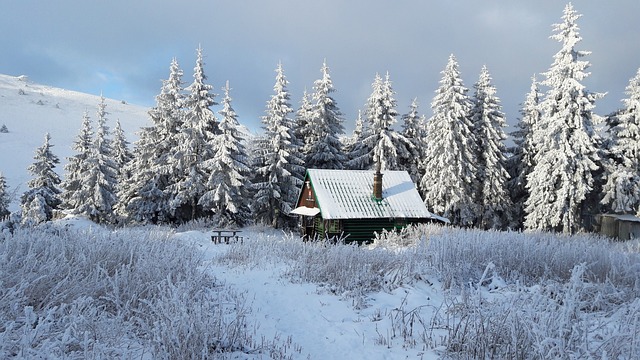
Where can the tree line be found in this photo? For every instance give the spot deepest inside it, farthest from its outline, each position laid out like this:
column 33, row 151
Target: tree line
column 565, row 165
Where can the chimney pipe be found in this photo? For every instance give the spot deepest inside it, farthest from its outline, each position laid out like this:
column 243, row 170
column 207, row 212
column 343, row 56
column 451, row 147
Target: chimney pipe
column 377, row 185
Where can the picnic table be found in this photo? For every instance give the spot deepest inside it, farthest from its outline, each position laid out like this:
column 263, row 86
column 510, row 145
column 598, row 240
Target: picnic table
column 225, row 236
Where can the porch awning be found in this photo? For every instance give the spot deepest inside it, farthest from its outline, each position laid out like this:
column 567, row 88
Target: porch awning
column 305, row 211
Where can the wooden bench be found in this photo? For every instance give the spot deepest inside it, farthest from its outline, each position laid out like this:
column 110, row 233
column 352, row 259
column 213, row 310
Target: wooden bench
column 225, row 236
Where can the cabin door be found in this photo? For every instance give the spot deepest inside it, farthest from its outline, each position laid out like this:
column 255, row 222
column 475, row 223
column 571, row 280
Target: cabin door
column 308, row 229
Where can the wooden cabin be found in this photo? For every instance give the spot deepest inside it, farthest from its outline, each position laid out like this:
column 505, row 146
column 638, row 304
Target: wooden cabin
column 355, row 204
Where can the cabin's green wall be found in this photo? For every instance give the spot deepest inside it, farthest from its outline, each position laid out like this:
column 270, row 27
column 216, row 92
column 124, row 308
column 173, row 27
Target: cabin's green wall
column 363, row 230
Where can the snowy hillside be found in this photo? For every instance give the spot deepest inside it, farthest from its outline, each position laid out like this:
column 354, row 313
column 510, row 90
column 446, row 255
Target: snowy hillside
column 30, row 110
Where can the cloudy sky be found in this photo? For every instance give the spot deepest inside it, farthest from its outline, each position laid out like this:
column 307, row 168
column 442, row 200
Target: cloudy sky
column 123, row 48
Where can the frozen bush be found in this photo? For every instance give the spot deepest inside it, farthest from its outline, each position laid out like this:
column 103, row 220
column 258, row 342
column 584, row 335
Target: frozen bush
column 508, row 294
column 99, row 294
column 344, row 269
column 552, row 320
column 409, row 236
column 461, row 255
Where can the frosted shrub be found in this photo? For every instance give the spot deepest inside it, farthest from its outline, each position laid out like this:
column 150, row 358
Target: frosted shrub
column 265, row 247
column 461, row 255
column 554, row 320
column 188, row 321
column 124, row 294
column 408, row 236
column 347, row 269
column 200, row 224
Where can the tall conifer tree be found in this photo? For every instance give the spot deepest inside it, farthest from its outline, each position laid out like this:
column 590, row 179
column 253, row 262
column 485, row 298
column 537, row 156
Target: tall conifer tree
column 193, row 148
column 323, row 146
column 413, row 128
column 355, row 146
column 228, row 171
column 562, row 179
column 303, row 130
column 449, row 180
column 492, row 195
column 73, row 195
column 142, row 196
column 276, row 187
column 98, row 181
column 388, row 147
column 521, row 161
column 121, row 153
column 107, row 168
column 622, row 188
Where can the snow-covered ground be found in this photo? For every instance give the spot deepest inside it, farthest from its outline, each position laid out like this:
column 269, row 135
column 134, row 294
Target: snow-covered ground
column 73, row 289
column 30, row 110
column 323, row 325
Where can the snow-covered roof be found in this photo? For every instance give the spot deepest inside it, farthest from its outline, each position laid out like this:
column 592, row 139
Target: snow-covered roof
column 306, row 211
column 348, row 194
column 630, row 218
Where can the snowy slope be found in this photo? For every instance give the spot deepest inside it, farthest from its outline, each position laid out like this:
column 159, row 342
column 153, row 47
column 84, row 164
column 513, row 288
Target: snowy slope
column 30, row 110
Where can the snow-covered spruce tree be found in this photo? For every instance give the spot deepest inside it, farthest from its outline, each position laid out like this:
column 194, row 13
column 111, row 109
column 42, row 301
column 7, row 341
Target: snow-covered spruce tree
column 303, row 129
column 228, row 171
column 449, row 181
column 323, row 148
column 42, row 198
column 257, row 149
column 360, row 153
column 562, row 179
column 77, row 166
column 4, row 198
column 621, row 193
column 301, row 118
column 121, row 153
column 276, row 187
column 492, row 195
column 355, row 147
column 413, row 128
column 520, row 163
column 388, row 147
column 141, row 196
column 304, row 113
column 98, row 183
column 194, row 146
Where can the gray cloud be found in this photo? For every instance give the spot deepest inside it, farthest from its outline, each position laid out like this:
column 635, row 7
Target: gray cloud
column 124, row 48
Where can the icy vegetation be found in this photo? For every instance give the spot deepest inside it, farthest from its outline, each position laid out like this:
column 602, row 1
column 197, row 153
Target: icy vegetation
column 506, row 295
column 93, row 293
column 88, row 292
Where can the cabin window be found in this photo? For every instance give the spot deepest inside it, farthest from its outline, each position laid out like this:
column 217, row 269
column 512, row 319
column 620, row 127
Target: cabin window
column 333, row 226
column 400, row 223
column 309, row 199
column 309, row 195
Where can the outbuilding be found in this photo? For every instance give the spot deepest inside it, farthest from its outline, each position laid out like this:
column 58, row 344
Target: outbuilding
column 355, row 204
column 617, row 226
